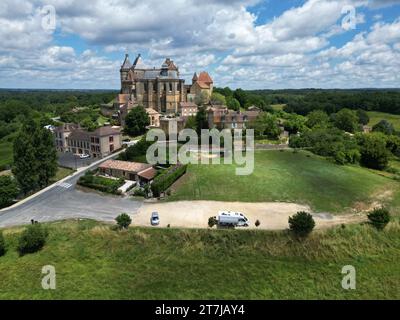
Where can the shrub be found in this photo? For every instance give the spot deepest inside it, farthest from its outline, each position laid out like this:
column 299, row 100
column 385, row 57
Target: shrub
column 302, row 223
column 123, row 221
column 100, row 183
column 166, row 179
column 2, row 245
column 32, row 239
column 257, row 223
column 379, row 218
column 212, row 221
column 139, row 192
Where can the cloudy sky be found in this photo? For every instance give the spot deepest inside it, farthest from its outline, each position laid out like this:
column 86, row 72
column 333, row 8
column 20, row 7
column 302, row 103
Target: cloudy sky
column 250, row 44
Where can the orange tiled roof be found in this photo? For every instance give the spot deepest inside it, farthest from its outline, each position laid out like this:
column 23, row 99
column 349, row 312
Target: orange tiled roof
column 134, row 167
column 148, row 174
column 205, row 77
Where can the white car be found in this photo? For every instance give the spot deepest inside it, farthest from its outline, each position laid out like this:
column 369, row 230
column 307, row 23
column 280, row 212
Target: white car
column 84, row 156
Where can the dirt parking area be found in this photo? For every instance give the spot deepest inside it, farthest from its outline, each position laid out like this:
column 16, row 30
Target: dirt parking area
column 195, row 214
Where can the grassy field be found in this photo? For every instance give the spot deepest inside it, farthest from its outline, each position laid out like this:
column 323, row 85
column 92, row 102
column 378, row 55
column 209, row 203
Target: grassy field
column 375, row 117
column 62, row 173
column 285, row 176
column 94, row 262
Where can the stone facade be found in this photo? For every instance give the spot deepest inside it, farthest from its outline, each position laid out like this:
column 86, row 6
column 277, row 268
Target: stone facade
column 162, row 89
column 99, row 143
column 220, row 117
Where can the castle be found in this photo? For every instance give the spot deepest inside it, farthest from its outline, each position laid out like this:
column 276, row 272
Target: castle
column 162, row 90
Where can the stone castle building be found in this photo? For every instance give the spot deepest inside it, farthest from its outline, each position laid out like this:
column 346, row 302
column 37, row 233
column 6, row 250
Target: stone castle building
column 162, row 89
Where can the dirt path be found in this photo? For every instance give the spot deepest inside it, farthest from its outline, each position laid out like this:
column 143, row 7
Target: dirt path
column 195, row 214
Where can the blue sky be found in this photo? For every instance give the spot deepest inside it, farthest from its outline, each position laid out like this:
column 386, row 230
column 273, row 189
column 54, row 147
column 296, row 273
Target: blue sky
column 250, row 44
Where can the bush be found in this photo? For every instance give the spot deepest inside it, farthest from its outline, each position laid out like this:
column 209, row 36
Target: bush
column 302, row 223
column 2, row 245
column 166, row 179
column 212, row 221
column 123, row 221
column 100, row 183
column 258, row 223
column 32, row 239
column 139, row 192
column 379, row 218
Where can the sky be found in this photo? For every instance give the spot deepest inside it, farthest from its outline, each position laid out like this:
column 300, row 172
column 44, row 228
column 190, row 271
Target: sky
column 252, row 44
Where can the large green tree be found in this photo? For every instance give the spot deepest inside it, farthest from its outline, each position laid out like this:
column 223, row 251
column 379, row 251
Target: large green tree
column 201, row 120
column 374, row 153
column 232, row 103
column 8, row 190
column 383, row 126
column 35, row 158
column 318, row 119
column 346, row 120
column 136, row 121
column 266, row 124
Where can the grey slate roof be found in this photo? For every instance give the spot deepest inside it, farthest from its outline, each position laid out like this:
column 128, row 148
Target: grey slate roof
column 127, row 64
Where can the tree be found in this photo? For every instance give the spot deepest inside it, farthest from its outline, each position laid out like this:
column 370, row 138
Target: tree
column 266, row 124
column 35, row 157
column 2, row 244
column 32, row 239
column 212, row 221
column 317, row 118
column 136, row 121
column 8, row 190
column 218, row 98
column 201, row 120
column 302, row 223
column 191, row 123
column 379, row 218
column 384, row 126
column 373, row 151
column 202, row 98
column 46, row 156
column 241, row 96
column 346, row 120
column 232, row 103
column 363, row 117
column 123, row 221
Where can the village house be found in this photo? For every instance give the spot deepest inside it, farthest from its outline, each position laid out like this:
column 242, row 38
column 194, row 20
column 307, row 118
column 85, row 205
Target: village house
column 134, row 171
column 220, row 117
column 154, row 117
column 187, row 109
column 99, row 143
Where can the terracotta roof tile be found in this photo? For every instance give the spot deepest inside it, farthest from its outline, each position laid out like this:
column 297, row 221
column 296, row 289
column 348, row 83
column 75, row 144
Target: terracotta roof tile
column 134, row 167
column 148, row 174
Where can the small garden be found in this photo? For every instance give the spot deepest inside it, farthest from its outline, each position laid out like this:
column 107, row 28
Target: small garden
column 108, row 185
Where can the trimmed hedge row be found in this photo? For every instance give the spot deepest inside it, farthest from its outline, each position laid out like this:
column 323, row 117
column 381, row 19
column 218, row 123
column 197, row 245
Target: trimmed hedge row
column 166, row 179
column 100, row 183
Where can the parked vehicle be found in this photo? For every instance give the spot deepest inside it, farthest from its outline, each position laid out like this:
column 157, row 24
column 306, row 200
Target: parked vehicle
column 233, row 219
column 155, row 219
column 84, row 156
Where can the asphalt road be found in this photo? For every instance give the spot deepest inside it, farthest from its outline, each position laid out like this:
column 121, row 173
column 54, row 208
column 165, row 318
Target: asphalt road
column 65, row 201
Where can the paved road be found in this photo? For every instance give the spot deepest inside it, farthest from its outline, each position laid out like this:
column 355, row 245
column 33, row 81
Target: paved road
column 65, row 201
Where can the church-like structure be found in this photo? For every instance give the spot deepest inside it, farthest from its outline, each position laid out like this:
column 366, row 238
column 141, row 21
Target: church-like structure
column 161, row 89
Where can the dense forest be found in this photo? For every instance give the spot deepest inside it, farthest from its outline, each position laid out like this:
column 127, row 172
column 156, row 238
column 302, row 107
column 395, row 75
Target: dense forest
column 303, row 101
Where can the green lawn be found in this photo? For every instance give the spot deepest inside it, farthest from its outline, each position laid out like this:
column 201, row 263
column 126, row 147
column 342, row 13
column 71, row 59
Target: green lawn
column 62, row 173
column 375, row 117
column 285, row 176
column 94, row 262
column 6, row 154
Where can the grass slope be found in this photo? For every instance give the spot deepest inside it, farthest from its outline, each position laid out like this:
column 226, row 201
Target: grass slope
column 284, row 176
column 93, row 262
column 375, row 117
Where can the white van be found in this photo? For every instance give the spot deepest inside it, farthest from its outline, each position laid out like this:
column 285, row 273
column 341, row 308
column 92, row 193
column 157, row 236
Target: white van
column 230, row 218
